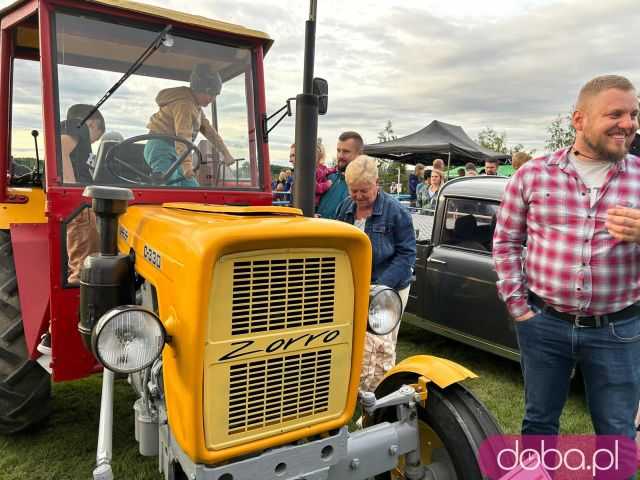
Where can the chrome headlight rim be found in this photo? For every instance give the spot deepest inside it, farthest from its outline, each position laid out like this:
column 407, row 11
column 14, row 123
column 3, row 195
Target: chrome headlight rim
column 108, row 317
column 374, row 291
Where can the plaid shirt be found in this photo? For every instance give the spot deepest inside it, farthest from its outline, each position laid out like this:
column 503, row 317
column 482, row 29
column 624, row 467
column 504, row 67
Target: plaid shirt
column 572, row 262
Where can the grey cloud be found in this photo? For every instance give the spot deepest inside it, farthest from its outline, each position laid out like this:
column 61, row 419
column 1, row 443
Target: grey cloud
column 514, row 72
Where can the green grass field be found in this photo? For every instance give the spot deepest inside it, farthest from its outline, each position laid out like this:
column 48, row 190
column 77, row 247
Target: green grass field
column 65, row 447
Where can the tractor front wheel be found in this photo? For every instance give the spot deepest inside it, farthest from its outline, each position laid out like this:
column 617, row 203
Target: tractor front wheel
column 25, row 387
column 452, row 426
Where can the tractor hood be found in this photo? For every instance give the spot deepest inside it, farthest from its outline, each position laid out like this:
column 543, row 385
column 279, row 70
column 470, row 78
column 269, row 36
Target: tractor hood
column 187, row 235
column 198, row 258
column 234, row 210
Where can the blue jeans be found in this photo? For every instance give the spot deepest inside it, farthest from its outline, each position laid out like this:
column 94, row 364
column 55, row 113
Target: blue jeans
column 609, row 359
column 159, row 155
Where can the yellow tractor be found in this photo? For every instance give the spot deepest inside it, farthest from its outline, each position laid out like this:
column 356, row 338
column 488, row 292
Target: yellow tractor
column 239, row 324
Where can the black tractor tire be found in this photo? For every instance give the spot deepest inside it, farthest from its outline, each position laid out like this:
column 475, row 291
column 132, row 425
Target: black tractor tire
column 25, row 387
column 453, row 425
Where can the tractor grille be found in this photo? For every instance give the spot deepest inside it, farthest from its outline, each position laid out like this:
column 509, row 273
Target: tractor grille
column 278, row 356
column 275, row 294
column 277, row 390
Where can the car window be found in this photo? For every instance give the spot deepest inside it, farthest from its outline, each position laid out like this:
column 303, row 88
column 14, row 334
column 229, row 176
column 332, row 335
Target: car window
column 469, row 223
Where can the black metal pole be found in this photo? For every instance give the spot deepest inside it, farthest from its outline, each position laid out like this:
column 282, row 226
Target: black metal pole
column 306, row 140
column 309, row 49
column 307, row 125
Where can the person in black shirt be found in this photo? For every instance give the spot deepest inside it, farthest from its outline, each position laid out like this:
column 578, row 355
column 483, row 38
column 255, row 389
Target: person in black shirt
column 75, row 143
column 76, row 140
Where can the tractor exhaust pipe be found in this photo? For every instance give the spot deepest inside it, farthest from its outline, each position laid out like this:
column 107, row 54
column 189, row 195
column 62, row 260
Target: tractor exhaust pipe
column 106, row 278
column 307, row 125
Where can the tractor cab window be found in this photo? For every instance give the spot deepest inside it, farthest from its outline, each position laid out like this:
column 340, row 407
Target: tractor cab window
column 26, row 121
column 184, row 118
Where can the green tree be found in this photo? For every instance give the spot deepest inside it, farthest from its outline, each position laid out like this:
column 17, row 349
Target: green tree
column 561, row 133
column 493, row 140
column 387, row 169
column 387, row 133
column 388, row 173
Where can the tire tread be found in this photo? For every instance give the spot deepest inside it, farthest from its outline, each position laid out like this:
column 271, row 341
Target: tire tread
column 25, row 387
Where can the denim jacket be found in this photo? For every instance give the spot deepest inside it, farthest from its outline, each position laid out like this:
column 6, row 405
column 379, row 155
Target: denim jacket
column 393, row 239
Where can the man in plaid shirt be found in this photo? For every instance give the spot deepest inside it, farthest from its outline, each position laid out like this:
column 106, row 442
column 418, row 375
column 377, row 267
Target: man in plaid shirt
column 572, row 292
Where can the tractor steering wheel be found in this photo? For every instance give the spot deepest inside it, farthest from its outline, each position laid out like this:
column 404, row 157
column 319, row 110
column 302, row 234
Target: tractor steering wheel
column 154, row 178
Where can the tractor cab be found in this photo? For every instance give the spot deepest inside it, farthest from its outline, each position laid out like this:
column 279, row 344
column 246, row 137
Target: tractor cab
column 137, row 64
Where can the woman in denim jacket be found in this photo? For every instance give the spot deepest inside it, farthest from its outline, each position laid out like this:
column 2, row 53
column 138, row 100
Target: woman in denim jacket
column 389, row 227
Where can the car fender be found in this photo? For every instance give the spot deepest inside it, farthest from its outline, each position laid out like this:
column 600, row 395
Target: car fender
column 438, row 370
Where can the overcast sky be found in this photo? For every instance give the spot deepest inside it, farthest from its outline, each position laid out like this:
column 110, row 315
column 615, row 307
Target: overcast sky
column 510, row 65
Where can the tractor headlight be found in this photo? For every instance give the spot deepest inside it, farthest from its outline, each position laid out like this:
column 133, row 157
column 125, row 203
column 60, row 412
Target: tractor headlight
column 385, row 309
column 127, row 339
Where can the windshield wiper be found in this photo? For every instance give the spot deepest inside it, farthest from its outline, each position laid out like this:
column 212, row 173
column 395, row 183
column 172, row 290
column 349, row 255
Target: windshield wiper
column 162, row 39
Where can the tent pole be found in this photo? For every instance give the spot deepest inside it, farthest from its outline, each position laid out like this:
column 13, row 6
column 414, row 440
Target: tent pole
column 446, row 177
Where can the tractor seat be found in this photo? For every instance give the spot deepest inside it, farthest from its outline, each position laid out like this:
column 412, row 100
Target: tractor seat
column 132, row 154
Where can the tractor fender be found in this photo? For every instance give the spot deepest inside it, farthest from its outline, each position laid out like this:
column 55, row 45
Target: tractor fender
column 30, row 245
column 27, row 206
column 438, row 370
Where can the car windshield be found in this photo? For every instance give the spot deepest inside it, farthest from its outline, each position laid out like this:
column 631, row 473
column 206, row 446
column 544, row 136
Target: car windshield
column 199, row 91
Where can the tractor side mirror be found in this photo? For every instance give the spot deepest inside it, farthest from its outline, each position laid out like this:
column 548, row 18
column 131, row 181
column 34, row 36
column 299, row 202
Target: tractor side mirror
column 321, row 89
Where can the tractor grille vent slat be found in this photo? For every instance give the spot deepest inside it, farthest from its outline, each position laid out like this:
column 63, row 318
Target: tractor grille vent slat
column 284, row 293
column 273, row 391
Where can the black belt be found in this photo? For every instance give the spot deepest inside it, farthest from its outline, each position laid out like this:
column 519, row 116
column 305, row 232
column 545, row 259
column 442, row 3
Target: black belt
column 592, row 321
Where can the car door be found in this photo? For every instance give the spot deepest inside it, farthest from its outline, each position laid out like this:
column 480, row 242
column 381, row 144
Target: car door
column 462, row 262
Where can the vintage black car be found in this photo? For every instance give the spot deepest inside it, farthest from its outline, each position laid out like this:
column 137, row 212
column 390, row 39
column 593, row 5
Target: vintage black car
column 454, row 292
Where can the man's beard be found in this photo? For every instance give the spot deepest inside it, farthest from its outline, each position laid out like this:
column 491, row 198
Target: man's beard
column 601, row 151
column 342, row 166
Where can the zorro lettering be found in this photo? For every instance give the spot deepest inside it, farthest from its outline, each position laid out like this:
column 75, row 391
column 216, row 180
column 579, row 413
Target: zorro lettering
column 243, row 347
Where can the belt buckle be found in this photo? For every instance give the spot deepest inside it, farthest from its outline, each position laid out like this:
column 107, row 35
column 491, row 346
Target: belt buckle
column 576, row 322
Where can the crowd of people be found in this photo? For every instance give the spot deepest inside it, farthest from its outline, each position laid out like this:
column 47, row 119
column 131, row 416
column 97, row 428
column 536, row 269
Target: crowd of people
column 424, row 183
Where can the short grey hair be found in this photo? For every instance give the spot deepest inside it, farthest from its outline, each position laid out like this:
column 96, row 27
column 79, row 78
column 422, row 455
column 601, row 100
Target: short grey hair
column 362, row 169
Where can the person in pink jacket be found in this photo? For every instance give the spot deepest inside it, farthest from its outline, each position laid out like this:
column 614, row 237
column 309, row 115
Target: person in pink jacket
column 323, row 183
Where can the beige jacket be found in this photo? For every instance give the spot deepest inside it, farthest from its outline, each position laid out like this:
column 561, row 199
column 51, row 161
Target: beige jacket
column 180, row 115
